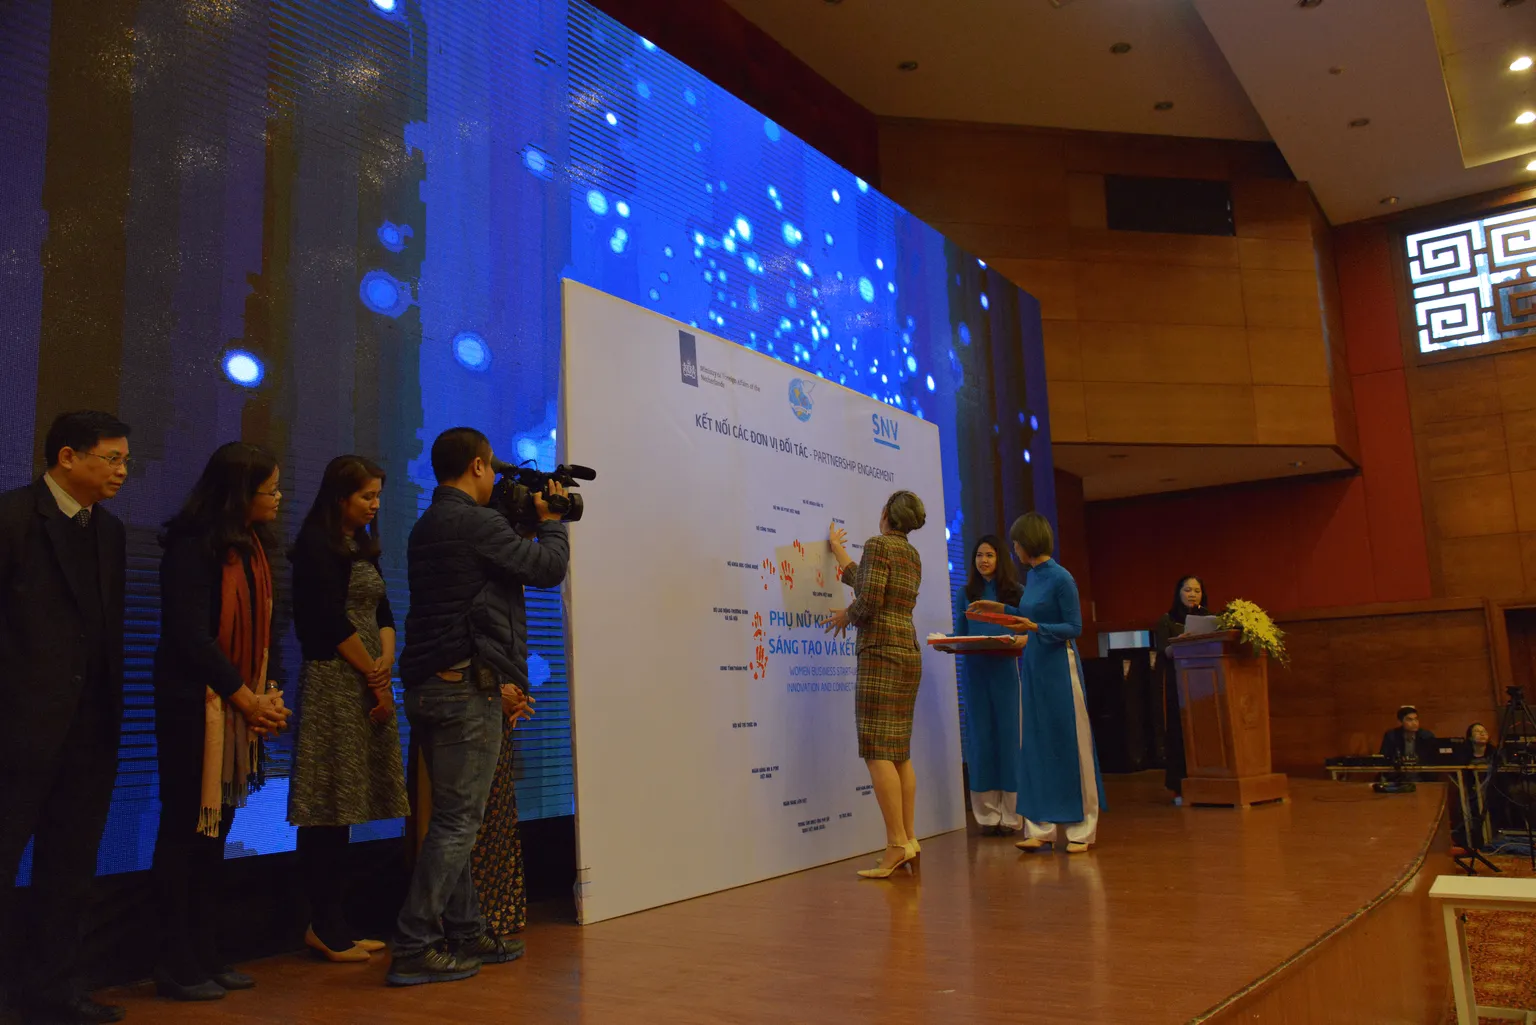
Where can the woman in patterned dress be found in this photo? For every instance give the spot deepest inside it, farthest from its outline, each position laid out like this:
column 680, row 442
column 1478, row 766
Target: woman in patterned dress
column 346, row 759
column 890, row 666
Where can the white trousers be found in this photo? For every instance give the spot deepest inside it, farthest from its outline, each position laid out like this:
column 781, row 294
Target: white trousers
column 1086, row 831
column 995, row 808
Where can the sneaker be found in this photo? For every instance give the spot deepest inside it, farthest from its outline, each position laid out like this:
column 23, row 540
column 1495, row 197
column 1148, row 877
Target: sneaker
column 488, row 949
column 431, row 965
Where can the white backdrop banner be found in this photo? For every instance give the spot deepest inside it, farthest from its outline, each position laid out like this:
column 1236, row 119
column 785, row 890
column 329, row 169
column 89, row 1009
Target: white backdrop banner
column 713, row 718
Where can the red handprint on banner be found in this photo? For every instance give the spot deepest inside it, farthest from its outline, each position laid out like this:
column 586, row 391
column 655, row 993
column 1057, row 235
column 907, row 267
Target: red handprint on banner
column 759, row 654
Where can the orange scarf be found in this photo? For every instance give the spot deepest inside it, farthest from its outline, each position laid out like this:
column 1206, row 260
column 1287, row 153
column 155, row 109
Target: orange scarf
column 230, row 749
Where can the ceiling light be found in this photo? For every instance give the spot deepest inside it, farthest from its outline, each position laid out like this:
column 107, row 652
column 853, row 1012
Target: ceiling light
column 1531, row 166
column 907, row 66
column 1388, row 200
column 1298, row 464
column 1521, row 64
column 1120, row 48
column 1163, row 105
column 1360, row 122
column 1309, row 3
column 1526, row 118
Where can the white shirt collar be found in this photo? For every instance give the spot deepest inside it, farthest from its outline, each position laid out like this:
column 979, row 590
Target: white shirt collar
column 67, row 504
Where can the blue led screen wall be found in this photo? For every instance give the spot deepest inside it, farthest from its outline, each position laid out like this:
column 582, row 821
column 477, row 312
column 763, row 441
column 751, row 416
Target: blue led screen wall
column 341, row 226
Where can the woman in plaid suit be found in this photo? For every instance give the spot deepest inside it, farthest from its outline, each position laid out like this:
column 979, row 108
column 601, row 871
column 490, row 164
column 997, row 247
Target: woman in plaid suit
column 885, row 583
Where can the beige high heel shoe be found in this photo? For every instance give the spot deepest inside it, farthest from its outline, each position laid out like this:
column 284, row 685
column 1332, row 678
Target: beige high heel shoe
column 353, row 953
column 880, row 872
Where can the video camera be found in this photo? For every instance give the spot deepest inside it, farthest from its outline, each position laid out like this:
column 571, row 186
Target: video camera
column 513, row 494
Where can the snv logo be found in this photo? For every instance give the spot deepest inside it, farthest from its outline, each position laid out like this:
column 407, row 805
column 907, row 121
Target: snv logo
column 885, row 428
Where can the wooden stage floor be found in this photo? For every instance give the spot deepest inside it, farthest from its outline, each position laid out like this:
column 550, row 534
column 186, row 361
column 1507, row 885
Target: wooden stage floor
column 1176, row 912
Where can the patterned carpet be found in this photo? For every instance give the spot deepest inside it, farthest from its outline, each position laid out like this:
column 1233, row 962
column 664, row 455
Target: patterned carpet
column 1503, row 948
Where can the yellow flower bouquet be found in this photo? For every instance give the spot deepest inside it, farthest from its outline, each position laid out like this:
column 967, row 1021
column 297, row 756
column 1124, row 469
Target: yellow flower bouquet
column 1257, row 629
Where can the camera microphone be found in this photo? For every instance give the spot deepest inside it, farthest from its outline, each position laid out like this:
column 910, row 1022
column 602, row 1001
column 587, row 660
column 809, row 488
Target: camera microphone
column 581, row 472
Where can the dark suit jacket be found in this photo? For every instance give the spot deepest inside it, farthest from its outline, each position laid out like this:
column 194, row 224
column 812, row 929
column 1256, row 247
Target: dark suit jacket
column 42, row 630
column 1392, row 744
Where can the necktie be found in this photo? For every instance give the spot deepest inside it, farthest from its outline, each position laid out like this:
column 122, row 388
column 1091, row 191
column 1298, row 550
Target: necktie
column 83, row 517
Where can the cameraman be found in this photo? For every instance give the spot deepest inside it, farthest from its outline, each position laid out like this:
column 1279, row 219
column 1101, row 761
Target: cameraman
column 465, row 661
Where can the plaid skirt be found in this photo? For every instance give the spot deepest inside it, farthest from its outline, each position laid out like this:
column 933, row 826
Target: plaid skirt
column 883, row 702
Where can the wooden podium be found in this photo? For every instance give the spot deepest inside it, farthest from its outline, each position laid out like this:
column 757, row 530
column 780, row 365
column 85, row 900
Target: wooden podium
column 1224, row 703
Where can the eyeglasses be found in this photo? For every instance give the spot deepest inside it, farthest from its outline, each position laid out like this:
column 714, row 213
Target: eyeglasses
column 115, row 460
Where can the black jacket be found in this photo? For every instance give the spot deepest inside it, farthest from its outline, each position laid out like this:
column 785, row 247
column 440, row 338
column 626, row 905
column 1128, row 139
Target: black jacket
column 1393, row 740
column 43, row 657
column 188, row 657
column 322, row 576
column 467, row 570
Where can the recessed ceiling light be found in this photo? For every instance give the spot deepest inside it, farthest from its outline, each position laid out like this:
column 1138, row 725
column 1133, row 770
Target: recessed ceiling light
column 1360, row 122
column 1309, row 3
column 1163, row 105
column 1526, row 118
column 907, row 66
column 1298, row 464
column 1120, row 48
column 1521, row 64
column 1388, row 201
column 1531, row 166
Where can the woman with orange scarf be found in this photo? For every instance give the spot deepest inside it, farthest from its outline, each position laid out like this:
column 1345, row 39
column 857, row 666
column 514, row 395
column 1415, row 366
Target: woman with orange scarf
column 213, row 701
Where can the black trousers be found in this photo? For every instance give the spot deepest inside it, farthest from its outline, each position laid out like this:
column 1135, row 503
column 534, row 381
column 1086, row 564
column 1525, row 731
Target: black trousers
column 59, row 802
column 188, row 868
column 322, row 863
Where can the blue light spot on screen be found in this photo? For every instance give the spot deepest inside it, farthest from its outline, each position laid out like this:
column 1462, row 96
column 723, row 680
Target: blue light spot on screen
column 643, row 90
column 890, row 286
column 619, row 240
column 804, row 267
column 729, row 244
column 828, row 237
column 743, row 229
column 837, row 197
column 654, row 295
column 692, row 99
column 597, row 202
column 985, row 303
column 647, row 44
column 387, row 6
column 537, row 162
column 879, row 264
column 866, row 290
column 611, row 118
column 862, row 184
column 931, row 385
column 965, row 333
column 471, row 351
column 790, row 300
column 912, row 363
column 243, row 368
column 1034, row 423
column 1027, row 457
column 666, row 251
column 383, row 293
column 621, row 208
column 982, row 264
column 792, row 234
column 771, row 130
column 393, row 236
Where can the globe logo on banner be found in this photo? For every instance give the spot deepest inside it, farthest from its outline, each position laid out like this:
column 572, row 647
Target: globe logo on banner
column 800, row 399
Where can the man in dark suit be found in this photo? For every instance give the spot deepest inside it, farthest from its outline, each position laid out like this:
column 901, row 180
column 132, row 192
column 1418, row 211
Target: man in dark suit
column 63, row 569
column 1407, row 743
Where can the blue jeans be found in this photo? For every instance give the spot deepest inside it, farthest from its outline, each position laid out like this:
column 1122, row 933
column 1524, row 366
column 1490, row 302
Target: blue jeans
column 458, row 732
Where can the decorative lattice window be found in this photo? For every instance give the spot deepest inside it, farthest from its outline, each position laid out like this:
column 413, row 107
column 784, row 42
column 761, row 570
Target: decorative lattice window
column 1474, row 282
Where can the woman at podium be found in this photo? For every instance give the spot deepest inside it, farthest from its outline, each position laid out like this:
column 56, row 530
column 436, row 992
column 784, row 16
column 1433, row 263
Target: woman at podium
column 989, row 687
column 1058, row 770
column 885, row 583
column 1188, row 600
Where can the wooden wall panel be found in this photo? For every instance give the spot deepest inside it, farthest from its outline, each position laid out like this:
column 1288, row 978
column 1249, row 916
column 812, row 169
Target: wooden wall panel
column 1148, row 309
column 1349, row 673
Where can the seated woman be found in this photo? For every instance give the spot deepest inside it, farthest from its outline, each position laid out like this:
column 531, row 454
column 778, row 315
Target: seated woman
column 1481, row 752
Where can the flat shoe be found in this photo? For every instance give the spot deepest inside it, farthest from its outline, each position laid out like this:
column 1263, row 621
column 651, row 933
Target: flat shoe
column 1077, row 848
column 352, row 954
column 1031, row 844
column 372, row 946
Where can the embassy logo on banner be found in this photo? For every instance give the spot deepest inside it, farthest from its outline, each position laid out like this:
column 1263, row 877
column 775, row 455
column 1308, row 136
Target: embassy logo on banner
column 688, row 356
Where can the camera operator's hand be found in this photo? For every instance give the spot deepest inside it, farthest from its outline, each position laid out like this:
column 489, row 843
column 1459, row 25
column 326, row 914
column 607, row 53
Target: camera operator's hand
column 541, row 501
